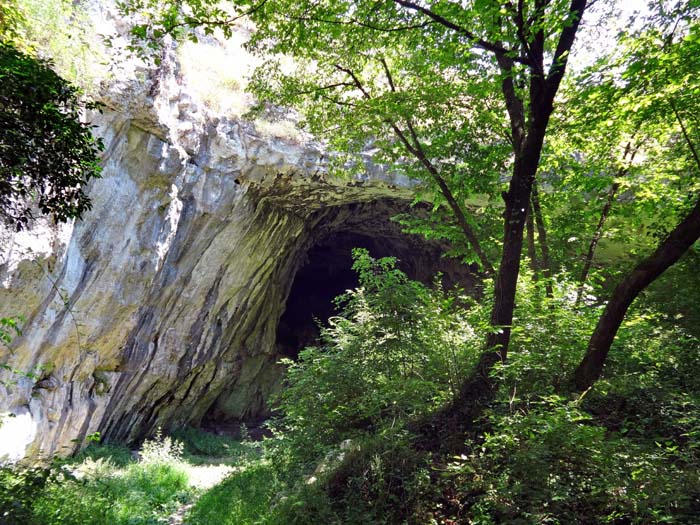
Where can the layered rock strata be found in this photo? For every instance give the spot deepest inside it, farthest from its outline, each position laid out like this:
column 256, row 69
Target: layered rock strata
column 163, row 306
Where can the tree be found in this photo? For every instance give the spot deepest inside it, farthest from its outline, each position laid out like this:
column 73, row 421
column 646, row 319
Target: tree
column 47, row 154
column 662, row 85
column 425, row 86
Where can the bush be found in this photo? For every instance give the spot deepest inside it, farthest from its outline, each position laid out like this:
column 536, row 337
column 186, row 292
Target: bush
column 626, row 452
column 161, row 450
column 47, row 154
column 549, row 337
column 553, row 464
column 198, row 443
column 19, row 488
column 398, row 350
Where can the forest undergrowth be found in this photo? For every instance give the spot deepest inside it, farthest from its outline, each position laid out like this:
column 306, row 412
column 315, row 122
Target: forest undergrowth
column 342, row 451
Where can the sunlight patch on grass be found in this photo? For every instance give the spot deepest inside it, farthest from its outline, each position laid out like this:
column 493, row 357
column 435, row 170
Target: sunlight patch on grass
column 204, row 477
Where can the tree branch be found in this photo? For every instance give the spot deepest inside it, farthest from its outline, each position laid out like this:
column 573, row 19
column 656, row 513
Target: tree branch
column 416, row 149
column 478, row 42
column 325, row 88
column 389, row 78
column 355, row 21
column 514, row 104
column 685, row 133
column 542, row 237
column 520, row 27
column 447, row 193
column 566, row 40
column 531, row 251
column 355, row 80
column 598, row 233
column 194, row 22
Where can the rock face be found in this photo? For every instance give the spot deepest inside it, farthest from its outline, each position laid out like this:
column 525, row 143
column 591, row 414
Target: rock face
column 174, row 298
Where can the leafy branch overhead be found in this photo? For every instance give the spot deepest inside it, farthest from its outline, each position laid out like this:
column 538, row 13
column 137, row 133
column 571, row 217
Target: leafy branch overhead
column 47, row 153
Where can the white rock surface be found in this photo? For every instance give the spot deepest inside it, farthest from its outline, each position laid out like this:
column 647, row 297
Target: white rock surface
column 165, row 298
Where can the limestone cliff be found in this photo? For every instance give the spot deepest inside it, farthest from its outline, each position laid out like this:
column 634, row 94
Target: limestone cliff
column 168, row 303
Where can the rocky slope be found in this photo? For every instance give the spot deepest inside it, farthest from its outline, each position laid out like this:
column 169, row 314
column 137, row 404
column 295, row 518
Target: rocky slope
column 162, row 306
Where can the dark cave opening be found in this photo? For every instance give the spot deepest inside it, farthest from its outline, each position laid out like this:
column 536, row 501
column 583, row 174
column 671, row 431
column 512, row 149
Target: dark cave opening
column 328, row 273
column 319, row 270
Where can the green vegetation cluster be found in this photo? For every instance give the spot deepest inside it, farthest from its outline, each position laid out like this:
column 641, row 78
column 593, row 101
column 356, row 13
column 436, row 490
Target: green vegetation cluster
column 47, row 151
column 565, row 388
column 347, row 451
column 47, row 154
column 627, row 452
column 345, row 448
column 61, row 31
column 112, row 484
column 103, row 485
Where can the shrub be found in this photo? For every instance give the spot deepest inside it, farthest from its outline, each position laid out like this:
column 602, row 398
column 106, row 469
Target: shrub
column 47, row 153
column 554, row 464
column 398, row 350
column 198, row 443
column 19, row 487
column 161, row 450
column 142, row 493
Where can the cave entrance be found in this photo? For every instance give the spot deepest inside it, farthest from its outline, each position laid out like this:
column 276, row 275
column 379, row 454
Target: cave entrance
column 317, row 270
column 326, row 274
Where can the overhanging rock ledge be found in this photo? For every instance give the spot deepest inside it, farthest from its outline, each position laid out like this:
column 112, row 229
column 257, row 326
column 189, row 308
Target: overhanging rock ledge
column 162, row 307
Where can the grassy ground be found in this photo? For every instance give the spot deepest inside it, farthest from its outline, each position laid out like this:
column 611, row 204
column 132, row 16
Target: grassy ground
column 107, row 484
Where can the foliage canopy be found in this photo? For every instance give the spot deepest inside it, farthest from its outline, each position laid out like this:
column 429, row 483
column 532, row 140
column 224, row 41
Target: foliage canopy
column 47, row 154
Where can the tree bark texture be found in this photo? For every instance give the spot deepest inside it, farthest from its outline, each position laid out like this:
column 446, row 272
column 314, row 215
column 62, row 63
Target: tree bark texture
column 542, row 238
column 588, row 262
column 531, row 249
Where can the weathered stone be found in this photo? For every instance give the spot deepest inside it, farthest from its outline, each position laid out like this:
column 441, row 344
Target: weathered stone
column 162, row 306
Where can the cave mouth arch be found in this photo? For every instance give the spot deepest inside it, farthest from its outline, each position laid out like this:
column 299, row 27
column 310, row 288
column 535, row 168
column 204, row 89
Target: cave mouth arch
column 326, row 274
column 318, row 269
column 326, row 268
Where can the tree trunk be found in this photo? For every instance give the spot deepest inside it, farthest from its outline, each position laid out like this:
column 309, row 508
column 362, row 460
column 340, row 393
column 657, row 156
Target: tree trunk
column 528, row 139
column 528, row 130
column 668, row 252
column 531, row 250
column 542, row 237
column 517, row 202
column 612, row 193
column 595, row 239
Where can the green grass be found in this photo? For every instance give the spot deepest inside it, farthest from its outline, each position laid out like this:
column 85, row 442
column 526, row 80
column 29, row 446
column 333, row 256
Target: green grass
column 108, row 485
column 102, row 485
column 139, row 494
column 118, row 455
column 243, row 498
